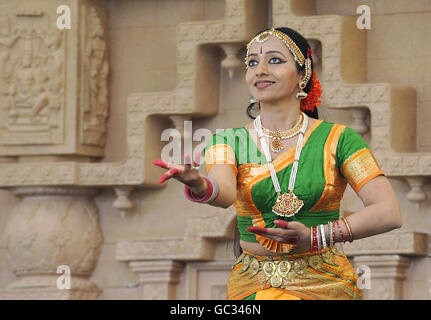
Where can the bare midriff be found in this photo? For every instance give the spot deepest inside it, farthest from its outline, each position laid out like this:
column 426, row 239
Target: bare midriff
column 257, row 249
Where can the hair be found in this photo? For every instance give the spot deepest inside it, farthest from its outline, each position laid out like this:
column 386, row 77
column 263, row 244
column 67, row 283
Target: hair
column 303, row 45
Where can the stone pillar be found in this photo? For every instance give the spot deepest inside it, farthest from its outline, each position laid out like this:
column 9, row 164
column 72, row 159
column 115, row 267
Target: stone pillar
column 53, row 113
column 52, row 227
column 158, row 278
column 387, row 275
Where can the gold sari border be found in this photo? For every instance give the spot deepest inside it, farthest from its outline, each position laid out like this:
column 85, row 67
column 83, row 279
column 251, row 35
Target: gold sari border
column 329, row 170
column 220, row 154
column 360, row 168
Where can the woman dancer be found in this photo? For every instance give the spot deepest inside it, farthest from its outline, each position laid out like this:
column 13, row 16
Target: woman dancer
column 286, row 173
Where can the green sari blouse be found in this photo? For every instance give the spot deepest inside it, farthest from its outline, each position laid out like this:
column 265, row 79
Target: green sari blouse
column 332, row 156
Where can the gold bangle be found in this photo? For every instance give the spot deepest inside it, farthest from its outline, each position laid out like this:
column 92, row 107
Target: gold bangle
column 348, row 229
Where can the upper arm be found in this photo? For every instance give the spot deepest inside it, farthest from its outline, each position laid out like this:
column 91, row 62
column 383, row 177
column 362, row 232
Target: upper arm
column 377, row 190
column 362, row 171
column 224, row 174
column 355, row 160
column 220, row 161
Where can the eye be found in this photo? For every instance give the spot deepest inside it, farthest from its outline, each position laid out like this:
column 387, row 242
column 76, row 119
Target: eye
column 276, row 60
column 252, row 63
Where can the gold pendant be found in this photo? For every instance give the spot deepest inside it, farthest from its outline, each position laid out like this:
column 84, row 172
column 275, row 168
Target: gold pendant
column 287, row 204
column 276, row 145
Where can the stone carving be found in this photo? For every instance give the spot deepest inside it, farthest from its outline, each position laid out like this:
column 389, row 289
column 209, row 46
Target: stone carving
column 239, row 25
column 395, row 242
column 96, row 70
column 199, row 286
column 61, row 228
column 195, row 246
column 231, row 61
column 387, row 275
column 157, row 278
column 31, row 85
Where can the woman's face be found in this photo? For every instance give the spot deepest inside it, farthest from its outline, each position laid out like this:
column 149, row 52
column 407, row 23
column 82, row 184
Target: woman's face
column 271, row 75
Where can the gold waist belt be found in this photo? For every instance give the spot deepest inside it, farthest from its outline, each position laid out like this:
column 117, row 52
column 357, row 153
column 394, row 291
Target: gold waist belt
column 278, row 271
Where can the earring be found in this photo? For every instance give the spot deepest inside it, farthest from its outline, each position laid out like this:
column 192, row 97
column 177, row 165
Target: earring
column 253, row 101
column 301, row 94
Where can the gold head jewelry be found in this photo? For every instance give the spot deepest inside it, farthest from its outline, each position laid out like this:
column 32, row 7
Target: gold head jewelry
column 291, row 45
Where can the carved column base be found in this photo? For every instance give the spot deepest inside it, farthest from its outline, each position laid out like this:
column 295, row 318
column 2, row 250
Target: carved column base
column 387, row 275
column 53, row 240
column 158, row 279
column 44, row 287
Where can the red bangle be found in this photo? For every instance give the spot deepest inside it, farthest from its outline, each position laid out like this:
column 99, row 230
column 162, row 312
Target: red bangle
column 341, row 232
column 315, row 240
column 193, row 197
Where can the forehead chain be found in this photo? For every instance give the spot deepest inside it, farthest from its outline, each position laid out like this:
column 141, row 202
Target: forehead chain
column 290, row 44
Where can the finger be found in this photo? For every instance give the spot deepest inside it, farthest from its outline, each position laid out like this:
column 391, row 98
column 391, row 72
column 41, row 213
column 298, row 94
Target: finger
column 266, row 232
column 168, row 175
column 187, row 162
column 197, row 159
column 282, row 224
column 277, row 234
column 161, row 163
column 257, row 230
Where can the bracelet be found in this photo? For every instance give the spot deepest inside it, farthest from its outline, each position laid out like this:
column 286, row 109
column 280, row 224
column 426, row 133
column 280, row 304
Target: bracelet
column 211, row 194
column 341, row 231
column 332, row 234
column 322, row 234
column 348, row 229
column 318, row 238
column 215, row 189
column 331, row 240
column 315, row 239
column 311, row 240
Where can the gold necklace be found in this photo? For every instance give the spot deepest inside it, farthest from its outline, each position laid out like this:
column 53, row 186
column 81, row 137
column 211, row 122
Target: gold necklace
column 277, row 136
column 287, row 203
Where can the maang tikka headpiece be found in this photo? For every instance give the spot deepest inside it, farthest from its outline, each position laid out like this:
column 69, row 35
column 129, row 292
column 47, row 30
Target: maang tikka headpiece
column 293, row 48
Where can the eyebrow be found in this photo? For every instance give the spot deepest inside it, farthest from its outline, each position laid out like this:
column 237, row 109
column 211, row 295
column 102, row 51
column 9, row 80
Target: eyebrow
column 273, row 51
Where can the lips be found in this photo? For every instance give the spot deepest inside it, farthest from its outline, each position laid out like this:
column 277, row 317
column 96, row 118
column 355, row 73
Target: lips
column 261, row 84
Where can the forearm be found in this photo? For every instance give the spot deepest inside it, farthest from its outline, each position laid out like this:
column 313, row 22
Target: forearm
column 226, row 193
column 375, row 219
column 372, row 220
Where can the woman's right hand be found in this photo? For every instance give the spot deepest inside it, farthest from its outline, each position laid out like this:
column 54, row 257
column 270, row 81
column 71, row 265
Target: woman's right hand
column 186, row 173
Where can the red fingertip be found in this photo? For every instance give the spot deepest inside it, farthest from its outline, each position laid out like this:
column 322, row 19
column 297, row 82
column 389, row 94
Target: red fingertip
column 281, row 223
column 256, row 229
column 160, row 163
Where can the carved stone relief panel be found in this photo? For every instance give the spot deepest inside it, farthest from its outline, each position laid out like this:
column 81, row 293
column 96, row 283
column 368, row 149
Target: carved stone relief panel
column 53, row 81
column 95, row 70
column 32, row 67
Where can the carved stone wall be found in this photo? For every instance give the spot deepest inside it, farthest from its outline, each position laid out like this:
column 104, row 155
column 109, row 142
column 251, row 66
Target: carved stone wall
column 157, row 63
column 54, row 82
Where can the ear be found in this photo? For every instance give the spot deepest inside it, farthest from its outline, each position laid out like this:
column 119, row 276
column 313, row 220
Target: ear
column 301, row 75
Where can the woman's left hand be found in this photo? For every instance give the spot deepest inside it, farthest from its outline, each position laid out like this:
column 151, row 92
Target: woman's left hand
column 288, row 232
